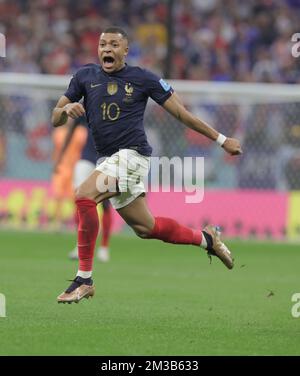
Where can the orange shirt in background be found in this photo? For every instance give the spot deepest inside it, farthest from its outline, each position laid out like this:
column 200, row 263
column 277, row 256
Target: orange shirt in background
column 62, row 178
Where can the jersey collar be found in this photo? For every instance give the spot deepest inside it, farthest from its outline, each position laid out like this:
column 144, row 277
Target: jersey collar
column 123, row 69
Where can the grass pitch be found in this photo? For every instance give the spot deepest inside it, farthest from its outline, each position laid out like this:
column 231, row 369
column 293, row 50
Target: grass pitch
column 151, row 299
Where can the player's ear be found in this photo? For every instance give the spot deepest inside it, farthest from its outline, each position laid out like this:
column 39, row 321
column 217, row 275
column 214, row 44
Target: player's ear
column 126, row 50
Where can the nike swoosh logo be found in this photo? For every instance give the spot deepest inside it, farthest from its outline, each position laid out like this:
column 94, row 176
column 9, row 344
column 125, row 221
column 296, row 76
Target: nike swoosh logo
column 95, row 85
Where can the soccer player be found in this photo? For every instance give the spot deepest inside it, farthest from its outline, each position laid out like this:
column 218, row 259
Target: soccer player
column 83, row 168
column 115, row 96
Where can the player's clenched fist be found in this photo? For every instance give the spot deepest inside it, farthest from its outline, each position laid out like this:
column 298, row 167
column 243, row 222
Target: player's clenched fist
column 74, row 110
column 232, row 146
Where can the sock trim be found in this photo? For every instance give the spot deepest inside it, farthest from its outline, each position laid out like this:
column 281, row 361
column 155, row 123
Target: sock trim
column 84, row 274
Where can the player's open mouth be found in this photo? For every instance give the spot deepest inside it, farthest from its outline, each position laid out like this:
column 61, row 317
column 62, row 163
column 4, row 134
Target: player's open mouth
column 108, row 61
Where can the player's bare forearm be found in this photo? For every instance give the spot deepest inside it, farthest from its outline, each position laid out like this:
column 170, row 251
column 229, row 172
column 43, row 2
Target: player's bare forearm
column 176, row 108
column 59, row 117
column 64, row 109
column 59, row 114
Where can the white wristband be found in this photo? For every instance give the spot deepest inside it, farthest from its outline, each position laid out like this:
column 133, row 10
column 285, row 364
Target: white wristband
column 221, row 139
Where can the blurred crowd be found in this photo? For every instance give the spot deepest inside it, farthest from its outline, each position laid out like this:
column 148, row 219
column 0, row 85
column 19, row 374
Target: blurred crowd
column 219, row 40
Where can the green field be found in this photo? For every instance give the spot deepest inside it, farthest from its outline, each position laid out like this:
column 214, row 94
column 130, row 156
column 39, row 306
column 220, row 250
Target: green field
column 151, row 299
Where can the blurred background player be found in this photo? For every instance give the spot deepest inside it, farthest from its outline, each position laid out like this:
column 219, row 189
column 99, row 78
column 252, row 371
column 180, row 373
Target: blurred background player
column 68, row 142
column 83, row 168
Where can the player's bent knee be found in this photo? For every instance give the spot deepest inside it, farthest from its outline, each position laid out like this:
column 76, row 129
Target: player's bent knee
column 81, row 193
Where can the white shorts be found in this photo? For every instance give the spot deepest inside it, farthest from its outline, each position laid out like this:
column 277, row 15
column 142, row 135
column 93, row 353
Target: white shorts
column 82, row 171
column 130, row 168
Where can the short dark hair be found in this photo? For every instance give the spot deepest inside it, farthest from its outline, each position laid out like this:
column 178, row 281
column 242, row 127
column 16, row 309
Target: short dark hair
column 116, row 30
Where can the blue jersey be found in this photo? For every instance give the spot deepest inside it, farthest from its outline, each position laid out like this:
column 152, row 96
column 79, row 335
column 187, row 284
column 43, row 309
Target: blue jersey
column 115, row 104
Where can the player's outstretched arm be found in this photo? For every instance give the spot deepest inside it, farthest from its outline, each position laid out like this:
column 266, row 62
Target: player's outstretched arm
column 176, row 108
column 65, row 108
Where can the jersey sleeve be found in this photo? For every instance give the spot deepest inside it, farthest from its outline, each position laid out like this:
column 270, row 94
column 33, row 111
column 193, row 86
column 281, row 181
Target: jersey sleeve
column 158, row 89
column 74, row 92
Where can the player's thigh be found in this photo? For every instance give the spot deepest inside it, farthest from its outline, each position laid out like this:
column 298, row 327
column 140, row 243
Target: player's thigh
column 138, row 216
column 96, row 187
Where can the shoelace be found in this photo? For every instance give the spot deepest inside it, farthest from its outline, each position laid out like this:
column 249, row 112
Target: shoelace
column 210, row 252
column 73, row 286
column 77, row 282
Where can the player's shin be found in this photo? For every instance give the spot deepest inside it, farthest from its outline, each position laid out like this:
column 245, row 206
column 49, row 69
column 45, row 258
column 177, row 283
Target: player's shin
column 170, row 231
column 88, row 228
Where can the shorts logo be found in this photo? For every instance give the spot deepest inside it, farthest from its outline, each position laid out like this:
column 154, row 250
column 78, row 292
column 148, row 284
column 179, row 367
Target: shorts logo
column 112, row 88
column 165, row 85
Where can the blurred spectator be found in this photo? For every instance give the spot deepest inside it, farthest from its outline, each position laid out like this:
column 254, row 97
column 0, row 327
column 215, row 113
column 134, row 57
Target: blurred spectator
column 258, row 164
column 213, row 40
column 2, row 148
column 292, row 175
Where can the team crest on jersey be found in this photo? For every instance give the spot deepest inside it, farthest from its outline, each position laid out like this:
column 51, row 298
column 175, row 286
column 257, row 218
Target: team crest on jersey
column 128, row 89
column 112, row 88
column 128, row 93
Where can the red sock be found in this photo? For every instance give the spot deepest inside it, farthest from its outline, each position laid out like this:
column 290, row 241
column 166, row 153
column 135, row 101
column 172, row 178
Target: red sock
column 170, row 231
column 88, row 228
column 106, row 226
column 76, row 218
